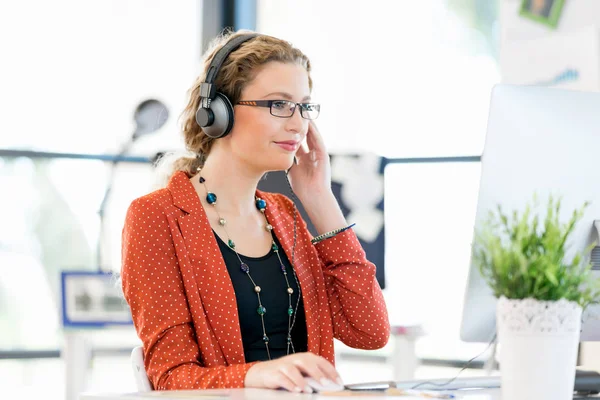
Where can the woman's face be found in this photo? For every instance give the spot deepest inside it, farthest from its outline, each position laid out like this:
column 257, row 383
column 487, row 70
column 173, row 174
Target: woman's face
column 262, row 140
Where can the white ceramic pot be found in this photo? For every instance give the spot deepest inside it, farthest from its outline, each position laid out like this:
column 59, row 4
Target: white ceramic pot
column 538, row 348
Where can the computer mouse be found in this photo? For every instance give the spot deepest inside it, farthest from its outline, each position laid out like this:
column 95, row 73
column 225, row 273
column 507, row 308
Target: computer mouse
column 319, row 387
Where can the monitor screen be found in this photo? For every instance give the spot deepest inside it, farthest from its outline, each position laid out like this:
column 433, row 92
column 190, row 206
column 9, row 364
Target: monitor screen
column 544, row 141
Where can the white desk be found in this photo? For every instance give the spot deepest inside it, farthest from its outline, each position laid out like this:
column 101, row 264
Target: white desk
column 262, row 394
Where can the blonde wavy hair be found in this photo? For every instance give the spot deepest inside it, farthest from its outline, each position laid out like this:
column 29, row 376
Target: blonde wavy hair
column 237, row 71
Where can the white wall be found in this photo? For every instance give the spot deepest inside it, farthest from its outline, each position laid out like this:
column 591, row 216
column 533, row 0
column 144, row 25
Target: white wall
column 532, row 53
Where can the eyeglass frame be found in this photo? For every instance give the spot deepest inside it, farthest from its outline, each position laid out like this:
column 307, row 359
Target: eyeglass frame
column 269, row 104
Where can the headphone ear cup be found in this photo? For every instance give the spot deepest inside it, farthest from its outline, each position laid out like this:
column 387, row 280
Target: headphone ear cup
column 204, row 117
column 222, row 112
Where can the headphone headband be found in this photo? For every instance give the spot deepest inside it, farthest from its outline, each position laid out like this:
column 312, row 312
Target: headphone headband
column 207, row 89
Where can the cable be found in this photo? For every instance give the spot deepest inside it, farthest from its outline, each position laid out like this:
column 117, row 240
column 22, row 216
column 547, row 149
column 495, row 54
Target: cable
column 459, row 372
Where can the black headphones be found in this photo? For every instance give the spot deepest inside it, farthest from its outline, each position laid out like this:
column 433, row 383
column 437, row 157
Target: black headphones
column 215, row 113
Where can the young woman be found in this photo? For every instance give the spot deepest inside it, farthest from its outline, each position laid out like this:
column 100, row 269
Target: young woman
column 226, row 285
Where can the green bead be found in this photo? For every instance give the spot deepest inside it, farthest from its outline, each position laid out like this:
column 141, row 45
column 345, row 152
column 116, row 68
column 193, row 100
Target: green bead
column 290, row 311
column 261, row 310
column 275, row 247
column 231, row 244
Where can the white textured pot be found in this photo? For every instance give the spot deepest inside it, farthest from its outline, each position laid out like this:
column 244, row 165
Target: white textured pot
column 538, row 353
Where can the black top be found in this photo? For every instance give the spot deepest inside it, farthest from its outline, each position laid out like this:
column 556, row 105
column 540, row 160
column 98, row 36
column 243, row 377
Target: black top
column 266, row 272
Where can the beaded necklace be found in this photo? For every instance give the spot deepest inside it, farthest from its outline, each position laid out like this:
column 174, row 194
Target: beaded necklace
column 261, row 310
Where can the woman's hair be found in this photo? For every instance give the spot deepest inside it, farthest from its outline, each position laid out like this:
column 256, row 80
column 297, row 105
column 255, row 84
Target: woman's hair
column 237, row 71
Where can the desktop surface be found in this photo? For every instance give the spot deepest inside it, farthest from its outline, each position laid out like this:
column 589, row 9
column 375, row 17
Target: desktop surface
column 468, row 388
column 264, row 394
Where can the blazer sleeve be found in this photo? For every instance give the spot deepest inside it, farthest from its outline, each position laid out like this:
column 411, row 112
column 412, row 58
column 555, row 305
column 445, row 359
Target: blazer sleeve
column 153, row 287
column 358, row 311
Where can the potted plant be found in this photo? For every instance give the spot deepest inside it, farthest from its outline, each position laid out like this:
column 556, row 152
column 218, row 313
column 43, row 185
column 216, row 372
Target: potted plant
column 541, row 295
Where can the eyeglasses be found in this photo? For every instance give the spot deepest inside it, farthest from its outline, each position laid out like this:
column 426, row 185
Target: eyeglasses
column 284, row 108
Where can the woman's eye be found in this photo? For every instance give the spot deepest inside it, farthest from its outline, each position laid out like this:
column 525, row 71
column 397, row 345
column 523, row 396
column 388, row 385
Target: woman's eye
column 279, row 104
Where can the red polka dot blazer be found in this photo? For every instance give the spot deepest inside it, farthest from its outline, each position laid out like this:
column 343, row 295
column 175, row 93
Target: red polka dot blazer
column 182, row 300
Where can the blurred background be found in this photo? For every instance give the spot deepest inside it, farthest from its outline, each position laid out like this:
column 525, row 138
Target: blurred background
column 408, row 81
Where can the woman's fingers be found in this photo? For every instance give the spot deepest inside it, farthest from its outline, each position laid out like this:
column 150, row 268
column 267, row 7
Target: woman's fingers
column 291, row 373
column 310, row 368
column 296, row 377
column 329, row 370
column 318, row 368
column 302, row 150
column 283, row 381
column 314, row 140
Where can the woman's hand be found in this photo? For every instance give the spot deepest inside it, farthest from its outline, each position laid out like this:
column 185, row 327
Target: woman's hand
column 289, row 372
column 312, row 174
column 311, row 182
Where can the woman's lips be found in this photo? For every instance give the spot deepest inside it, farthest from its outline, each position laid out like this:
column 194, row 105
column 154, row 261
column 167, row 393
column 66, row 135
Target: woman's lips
column 289, row 145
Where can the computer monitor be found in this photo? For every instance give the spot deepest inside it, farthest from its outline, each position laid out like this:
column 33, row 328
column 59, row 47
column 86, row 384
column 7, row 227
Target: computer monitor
column 546, row 141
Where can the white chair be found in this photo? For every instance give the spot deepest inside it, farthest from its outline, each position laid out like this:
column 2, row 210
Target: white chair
column 139, row 371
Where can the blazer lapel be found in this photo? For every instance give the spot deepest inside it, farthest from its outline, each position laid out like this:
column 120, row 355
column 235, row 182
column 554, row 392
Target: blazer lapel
column 282, row 221
column 212, row 278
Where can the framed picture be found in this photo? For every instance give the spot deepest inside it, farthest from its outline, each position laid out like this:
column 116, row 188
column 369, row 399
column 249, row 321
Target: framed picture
column 92, row 299
column 544, row 11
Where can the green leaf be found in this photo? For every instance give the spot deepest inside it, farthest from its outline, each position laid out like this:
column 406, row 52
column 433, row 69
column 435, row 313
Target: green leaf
column 551, row 277
column 524, row 255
